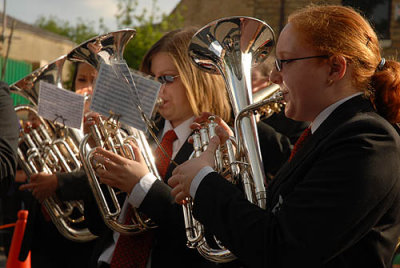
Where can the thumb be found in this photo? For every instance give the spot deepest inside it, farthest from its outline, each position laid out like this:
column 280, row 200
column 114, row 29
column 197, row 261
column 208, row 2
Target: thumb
column 213, row 145
column 138, row 154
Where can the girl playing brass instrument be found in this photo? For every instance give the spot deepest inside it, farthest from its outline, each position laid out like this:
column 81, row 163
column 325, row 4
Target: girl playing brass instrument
column 185, row 92
column 336, row 203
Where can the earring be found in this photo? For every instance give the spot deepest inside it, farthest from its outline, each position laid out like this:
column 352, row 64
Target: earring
column 330, row 82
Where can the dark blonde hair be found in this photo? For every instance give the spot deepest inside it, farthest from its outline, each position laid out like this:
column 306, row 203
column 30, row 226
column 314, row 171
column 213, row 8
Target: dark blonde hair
column 339, row 30
column 205, row 92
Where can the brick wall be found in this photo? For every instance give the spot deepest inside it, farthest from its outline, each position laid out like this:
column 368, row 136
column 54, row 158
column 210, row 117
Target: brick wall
column 394, row 49
column 199, row 13
column 274, row 12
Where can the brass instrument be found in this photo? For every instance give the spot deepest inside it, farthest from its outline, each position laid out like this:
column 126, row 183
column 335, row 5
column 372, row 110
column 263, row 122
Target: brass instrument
column 108, row 134
column 49, row 147
column 230, row 47
column 264, row 94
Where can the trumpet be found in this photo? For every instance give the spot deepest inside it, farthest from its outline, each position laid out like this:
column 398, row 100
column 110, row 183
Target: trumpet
column 109, row 135
column 49, row 147
column 230, row 47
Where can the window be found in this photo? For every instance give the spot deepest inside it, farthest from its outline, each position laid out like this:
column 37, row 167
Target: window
column 377, row 12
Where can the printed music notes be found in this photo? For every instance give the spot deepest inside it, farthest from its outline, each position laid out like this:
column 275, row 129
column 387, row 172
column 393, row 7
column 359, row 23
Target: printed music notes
column 60, row 105
column 125, row 94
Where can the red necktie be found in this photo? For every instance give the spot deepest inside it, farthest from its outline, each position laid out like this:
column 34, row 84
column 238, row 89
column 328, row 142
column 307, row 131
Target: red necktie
column 299, row 143
column 162, row 161
column 132, row 251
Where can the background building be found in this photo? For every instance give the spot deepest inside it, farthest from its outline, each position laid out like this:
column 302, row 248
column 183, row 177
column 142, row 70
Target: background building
column 384, row 14
column 27, row 48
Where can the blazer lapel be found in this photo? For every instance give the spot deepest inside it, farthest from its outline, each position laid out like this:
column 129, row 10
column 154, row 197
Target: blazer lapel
column 338, row 116
column 183, row 155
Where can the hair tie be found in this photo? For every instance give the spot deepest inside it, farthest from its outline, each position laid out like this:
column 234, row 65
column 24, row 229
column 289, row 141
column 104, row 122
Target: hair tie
column 381, row 64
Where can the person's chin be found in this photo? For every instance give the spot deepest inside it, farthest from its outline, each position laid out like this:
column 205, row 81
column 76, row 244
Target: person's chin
column 289, row 113
column 164, row 113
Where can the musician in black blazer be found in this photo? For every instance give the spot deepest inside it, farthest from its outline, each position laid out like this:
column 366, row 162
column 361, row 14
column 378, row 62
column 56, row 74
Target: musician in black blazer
column 279, row 132
column 159, row 205
column 336, row 203
column 41, row 235
column 186, row 91
column 8, row 139
column 8, row 161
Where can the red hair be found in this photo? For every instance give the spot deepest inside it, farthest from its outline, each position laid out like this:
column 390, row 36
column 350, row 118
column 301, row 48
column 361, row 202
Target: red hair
column 339, row 30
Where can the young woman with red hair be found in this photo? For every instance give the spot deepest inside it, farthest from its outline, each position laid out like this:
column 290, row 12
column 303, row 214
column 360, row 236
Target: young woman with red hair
column 336, row 203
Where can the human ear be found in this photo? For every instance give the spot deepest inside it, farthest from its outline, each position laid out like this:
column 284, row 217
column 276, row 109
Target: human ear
column 338, row 67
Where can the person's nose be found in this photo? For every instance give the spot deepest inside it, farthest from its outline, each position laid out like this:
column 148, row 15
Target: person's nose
column 275, row 76
column 90, row 89
column 162, row 90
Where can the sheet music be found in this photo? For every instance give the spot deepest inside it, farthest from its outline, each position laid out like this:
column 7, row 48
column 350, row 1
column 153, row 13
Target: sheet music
column 115, row 93
column 143, row 88
column 60, row 105
column 122, row 71
column 148, row 90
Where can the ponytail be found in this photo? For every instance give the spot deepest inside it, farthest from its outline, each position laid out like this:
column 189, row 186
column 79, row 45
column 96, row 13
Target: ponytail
column 385, row 84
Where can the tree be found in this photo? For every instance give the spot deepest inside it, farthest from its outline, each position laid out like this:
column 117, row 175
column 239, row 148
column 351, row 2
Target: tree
column 78, row 33
column 149, row 28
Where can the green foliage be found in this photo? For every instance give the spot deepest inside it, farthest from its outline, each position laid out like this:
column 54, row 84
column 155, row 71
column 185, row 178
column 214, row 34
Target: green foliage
column 78, row 33
column 149, row 28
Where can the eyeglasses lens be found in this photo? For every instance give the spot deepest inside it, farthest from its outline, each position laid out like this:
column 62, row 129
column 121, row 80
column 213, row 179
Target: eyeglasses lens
column 166, row 79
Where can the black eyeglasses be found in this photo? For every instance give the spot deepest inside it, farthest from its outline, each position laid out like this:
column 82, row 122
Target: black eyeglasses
column 167, row 78
column 278, row 62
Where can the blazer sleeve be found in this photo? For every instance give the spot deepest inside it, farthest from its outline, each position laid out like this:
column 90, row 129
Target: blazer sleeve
column 72, row 186
column 9, row 132
column 93, row 218
column 160, row 206
column 336, row 198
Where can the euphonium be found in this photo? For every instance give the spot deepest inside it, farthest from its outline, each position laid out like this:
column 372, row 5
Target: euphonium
column 108, row 134
column 48, row 147
column 265, row 93
column 264, row 100
column 230, row 47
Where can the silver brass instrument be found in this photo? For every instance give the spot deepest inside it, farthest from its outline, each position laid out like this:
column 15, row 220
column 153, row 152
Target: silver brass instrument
column 271, row 107
column 108, row 134
column 265, row 93
column 231, row 47
column 48, row 147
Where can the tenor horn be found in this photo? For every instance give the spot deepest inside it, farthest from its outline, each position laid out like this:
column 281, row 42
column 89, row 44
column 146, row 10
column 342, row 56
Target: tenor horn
column 231, row 47
column 108, row 134
column 49, row 147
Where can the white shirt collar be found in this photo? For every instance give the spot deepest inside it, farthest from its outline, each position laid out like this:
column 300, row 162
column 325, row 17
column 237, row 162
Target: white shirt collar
column 327, row 111
column 182, row 132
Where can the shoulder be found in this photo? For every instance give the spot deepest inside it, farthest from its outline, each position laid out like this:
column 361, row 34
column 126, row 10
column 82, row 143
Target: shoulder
column 368, row 125
column 5, row 98
column 4, row 88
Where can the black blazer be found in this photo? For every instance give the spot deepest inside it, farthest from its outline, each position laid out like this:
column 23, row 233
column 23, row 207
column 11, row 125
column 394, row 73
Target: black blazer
column 169, row 248
column 279, row 134
column 8, row 139
column 336, row 204
column 41, row 235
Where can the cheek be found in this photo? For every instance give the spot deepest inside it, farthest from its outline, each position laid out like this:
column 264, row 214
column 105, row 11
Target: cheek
column 180, row 95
